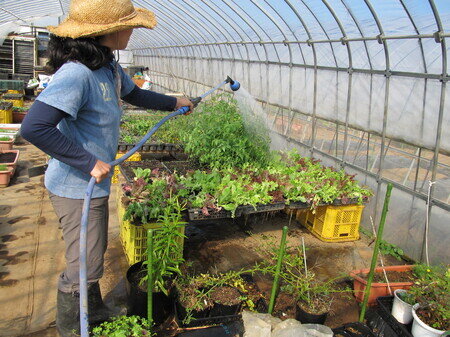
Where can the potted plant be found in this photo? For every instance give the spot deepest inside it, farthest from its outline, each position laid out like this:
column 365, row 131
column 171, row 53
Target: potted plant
column 9, row 158
column 313, row 297
column 19, row 114
column 6, row 143
column 402, row 306
column 381, row 288
column 167, row 257
column 207, row 295
column 431, row 291
column 5, row 175
column 123, row 326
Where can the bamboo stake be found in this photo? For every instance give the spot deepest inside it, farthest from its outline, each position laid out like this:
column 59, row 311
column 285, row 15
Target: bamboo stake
column 375, row 251
column 150, row 279
column 278, row 270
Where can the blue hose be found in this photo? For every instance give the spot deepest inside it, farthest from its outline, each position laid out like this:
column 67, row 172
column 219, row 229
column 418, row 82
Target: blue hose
column 84, row 321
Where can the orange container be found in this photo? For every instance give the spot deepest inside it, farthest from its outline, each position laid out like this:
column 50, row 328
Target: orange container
column 377, row 289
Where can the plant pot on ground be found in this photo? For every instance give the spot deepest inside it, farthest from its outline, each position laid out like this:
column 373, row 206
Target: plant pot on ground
column 138, row 296
column 19, row 114
column 5, row 175
column 402, row 274
column 6, row 143
column 402, row 306
column 432, row 293
column 9, row 158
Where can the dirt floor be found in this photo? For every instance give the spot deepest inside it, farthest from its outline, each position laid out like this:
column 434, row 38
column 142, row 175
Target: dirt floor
column 31, row 253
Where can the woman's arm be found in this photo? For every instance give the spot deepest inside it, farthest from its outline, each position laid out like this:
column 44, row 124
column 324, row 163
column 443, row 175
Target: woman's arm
column 151, row 100
column 39, row 128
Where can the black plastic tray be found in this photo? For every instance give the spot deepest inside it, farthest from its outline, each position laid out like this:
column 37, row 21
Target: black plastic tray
column 152, row 147
column 356, row 329
column 207, row 321
column 384, row 310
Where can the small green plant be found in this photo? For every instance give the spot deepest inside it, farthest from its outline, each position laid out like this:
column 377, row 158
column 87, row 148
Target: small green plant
column 313, row 295
column 5, row 139
column 385, row 247
column 407, row 297
column 196, row 292
column 3, row 167
column 432, row 291
column 123, row 326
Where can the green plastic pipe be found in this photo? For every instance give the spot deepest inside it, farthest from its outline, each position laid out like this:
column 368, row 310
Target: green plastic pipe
column 375, row 252
column 150, row 278
column 278, row 270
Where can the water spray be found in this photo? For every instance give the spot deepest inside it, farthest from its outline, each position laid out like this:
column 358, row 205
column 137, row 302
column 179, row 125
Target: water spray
column 84, row 321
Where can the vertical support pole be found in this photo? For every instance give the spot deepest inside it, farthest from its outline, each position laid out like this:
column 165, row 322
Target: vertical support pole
column 375, row 252
column 150, row 278
column 278, row 270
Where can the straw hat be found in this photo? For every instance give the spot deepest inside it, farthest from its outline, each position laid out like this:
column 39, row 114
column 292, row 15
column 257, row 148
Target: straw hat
column 99, row 17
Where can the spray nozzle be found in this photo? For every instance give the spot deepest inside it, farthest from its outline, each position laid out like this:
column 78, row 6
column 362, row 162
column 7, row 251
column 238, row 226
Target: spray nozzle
column 234, row 85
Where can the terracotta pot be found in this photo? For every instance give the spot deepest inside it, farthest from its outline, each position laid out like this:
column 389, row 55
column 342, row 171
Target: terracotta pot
column 5, row 177
column 377, row 289
column 11, row 163
column 6, row 145
column 18, row 116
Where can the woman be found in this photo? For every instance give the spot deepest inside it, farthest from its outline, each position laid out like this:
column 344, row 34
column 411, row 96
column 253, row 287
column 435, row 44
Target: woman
column 76, row 121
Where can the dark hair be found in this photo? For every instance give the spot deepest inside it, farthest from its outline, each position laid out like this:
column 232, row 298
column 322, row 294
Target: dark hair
column 86, row 50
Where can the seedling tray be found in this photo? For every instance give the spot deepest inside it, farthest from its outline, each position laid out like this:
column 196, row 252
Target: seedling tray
column 384, row 310
column 197, row 214
column 152, row 147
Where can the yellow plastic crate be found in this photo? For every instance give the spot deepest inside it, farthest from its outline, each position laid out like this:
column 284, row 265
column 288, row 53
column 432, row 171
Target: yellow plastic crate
column 135, row 157
column 10, row 91
column 333, row 223
column 16, row 102
column 134, row 239
column 6, row 116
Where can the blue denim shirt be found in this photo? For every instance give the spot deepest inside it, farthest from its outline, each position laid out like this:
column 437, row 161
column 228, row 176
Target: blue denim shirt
column 90, row 98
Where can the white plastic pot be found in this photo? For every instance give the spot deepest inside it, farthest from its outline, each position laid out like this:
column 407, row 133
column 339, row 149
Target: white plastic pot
column 420, row 329
column 401, row 310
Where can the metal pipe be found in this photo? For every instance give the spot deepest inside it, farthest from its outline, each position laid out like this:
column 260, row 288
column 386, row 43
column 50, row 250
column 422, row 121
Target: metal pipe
column 375, row 252
column 276, row 278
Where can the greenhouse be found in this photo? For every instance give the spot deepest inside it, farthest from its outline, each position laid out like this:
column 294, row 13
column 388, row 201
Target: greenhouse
column 264, row 168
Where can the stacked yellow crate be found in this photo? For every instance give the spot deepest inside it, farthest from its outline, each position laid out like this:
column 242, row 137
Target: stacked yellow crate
column 6, row 115
column 135, row 157
column 333, row 223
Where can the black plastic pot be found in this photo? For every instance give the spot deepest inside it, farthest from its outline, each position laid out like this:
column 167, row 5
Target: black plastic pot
column 137, row 298
column 224, row 310
column 306, row 317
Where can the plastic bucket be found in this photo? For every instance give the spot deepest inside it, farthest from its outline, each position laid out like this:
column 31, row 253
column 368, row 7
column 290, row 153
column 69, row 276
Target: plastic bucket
column 401, row 310
column 420, row 329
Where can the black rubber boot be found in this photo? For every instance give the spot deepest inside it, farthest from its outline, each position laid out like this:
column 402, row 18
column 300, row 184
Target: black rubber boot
column 68, row 314
column 98, row 311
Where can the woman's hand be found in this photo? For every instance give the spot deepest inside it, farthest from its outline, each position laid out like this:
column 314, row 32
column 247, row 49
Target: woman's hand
column 100, row 171
column 183, row 101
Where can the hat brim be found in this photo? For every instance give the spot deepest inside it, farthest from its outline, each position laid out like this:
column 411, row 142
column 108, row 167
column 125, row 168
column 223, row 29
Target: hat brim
column 75, row 29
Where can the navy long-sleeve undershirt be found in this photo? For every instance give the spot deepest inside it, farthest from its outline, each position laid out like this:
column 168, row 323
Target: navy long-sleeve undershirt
column 39, row 128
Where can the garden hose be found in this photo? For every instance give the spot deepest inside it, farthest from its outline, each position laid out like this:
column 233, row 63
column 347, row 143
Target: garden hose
column 84, row 320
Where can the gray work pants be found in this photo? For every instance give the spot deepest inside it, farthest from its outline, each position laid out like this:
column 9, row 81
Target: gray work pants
column 68, row 212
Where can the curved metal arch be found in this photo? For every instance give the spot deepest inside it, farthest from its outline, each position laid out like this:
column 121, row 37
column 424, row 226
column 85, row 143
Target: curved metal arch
column 418, row 33
column 293, row 33
column 276, row 25
column 192, row 26
column 381, row 30
column 225, row 27
column 249, row 25
column 195, row 19
column 259, row 26
column 344, row 33
column 350, row 12
column 233, row 27
column 323, row 29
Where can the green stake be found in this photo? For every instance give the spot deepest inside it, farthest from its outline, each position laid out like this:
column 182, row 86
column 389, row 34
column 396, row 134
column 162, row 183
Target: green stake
column 278, row 270
column 150, row 278
column 375, row 252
